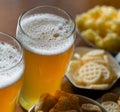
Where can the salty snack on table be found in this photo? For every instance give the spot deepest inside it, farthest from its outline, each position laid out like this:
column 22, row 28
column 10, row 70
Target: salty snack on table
column 109, row 97
column 111, row 106
column 94, row 53
column 74, row 64
column 88, row 107
column 118, row 101
column 65, row 102
column 60, row 102
column 45, row 99
column 110, row 101
column 92, row 72
column 98, row 56
column 98, row 86
column 87, row 73
column 95, row 69
column 76, row 56
column 100, row 27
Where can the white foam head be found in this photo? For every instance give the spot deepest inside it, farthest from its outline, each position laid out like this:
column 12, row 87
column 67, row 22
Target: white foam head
column 9, row 71
column 46, row 34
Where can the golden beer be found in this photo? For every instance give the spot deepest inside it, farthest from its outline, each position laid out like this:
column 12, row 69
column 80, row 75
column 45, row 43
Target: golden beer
column 48, row 40
column 11, row 70
column 9, row 96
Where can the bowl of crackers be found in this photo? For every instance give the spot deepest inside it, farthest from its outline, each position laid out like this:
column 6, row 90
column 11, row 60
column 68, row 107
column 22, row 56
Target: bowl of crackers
column 92, row 70
column 99, row 27
column 65, row 102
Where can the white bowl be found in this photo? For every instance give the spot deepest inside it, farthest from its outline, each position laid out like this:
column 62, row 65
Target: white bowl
column 115, row 66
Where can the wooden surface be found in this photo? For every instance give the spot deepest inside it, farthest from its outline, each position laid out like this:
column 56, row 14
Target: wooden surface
column 10, row 10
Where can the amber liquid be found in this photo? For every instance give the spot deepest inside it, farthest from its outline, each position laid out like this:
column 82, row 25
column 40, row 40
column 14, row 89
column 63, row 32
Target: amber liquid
column 43, row 73
column 9, row 96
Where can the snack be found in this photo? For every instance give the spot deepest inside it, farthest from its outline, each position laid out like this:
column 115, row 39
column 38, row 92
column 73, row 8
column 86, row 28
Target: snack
column 98, row 56
column 111, row 100
column 89, row 73
column 118, row 101
column 94, row 69
column 109, row 97
column 87, row 107
column 100, row 26
column 98, row 86
column 111, row 106
column 74, row 64
column 45, row 99
column 65, row 102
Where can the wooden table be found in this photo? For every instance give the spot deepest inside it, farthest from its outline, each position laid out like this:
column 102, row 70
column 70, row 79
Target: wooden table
column 10, row 10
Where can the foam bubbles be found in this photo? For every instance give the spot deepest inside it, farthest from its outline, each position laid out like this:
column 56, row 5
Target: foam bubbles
column 9, row 56
column 46, row 34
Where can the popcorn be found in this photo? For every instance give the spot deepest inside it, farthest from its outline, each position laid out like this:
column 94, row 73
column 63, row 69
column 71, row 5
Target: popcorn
column 101, row 26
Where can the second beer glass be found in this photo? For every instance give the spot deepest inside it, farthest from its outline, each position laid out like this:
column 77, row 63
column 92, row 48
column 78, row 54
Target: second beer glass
column 48, row 35
column 11, row 72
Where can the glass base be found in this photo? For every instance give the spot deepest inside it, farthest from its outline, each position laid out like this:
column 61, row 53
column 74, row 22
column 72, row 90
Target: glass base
column 25, row 104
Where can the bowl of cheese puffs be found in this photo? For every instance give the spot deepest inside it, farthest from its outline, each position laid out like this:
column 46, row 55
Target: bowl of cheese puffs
column 100, row 27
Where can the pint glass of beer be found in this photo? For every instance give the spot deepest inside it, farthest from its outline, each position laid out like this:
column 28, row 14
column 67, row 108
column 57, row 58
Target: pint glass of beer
column 47, row 34
column 11, row 70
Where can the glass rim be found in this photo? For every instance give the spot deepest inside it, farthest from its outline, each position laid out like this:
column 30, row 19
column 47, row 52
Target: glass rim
column 45, row 6
column 21, row 50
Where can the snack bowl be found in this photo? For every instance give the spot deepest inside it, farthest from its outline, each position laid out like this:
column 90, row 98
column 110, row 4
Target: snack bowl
column 99, row 28
column 93, row 91
column 82, row 100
